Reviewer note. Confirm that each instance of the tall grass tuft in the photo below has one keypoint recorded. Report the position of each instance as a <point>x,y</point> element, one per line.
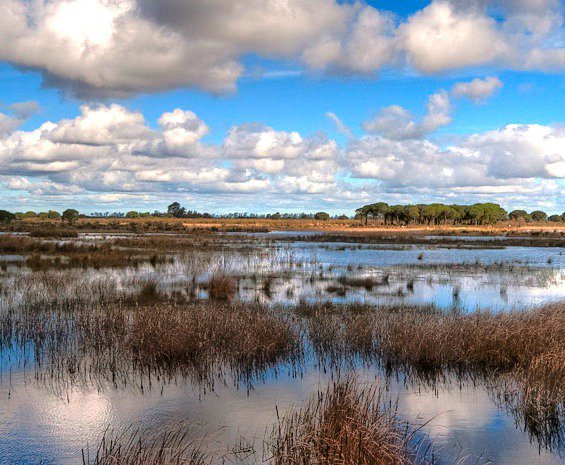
<point>136,447</point>
<point>345,425</point>
<point>221,287</point>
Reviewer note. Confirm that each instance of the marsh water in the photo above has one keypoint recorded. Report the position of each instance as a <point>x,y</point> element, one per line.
<point>462,420</point>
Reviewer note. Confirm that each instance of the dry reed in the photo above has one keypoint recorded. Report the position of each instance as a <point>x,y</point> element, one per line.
<point>137,447</point>
<point>345,425</point>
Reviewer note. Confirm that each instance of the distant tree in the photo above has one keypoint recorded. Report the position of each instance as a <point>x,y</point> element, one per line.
<point>19,215</point>
<point>53,215</point>
<point>392,214</point>
<point>342,217</point>
<point>176,210</point>
<point>412,213</point>
<point>43,215</point>
<point>30,214</point>
<point>459,213</point>
<point>379,210</point>
<point>563,216</point>
<point>555,218</point>
<point>70,215</point>
<point>434,213</point>
<point>145,215</point>
<point>6,216</point>
<point>539,215</point>
<point>486,213</point>
<point>375,210</point>
<point>363,213</point>
<point>321,216</point>
<point>519,214</point>
<point>132,214</point>
<point>276,216</point>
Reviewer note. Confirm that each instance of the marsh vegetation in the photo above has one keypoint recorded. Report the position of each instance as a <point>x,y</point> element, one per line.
<point>225,315</point>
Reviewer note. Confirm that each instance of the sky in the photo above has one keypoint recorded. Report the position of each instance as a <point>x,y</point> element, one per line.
<point>281,105</point>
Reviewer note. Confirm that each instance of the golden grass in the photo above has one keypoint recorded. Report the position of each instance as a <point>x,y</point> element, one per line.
<point>226,224</point>
<point>480,341</point>
<point>246,337</point>
<point>76,342</point>
<point>345,425</point>
<point>221,286</point>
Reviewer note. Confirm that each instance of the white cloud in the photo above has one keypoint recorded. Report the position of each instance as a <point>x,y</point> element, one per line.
<point>339,124</point>
<point>512,155</point>
<point>440,37</point>
<point>521,151</point>
<point>20,112</point>
<point>109,47</point>
<point>477,89</point>
<point>101,126</point>
<point>364,48</point>
<point>110,150</point>
<point>395,122</point>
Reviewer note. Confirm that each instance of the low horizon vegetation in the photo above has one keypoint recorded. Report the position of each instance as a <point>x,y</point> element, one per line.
<point>428,214</point>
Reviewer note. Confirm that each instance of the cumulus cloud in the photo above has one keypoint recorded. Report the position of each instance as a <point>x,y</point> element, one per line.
<point>100,125</point>
<point>440,37</point>
<point>111,149</point>
<point>477,89</point>
<point>395,122</point>
<point>521,151</point>
<point>514,153</point>
<point>366,45</point>
<point>111,152</point>
<point>116,48</point>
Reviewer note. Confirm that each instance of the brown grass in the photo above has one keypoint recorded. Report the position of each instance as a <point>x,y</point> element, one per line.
<point>481,341</point>
<point>246,337</point>
<point>136,447</point>
<point>520,354</point>
<point>345,425</point>
<point>221,286</point>
<point>216,224</point>
<point>76,342</point>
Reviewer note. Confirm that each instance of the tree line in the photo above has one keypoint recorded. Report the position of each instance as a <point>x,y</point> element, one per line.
<point>438,214</point>
<point>174,210</point>
<point>429,214</point>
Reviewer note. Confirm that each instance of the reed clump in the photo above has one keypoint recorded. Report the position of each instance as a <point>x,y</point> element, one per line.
<point>345,425</point>
<point>366,282</point>
<point>138,447</point>
<point>221,286</point>
<point>519,354</point>
<point>248,338</point>
<point>77,342</point>
<point>482,342</point>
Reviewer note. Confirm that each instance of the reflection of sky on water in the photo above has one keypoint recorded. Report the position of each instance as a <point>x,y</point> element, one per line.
<point>374,255</point>
<point>512,277</point>
<point>36,426</point>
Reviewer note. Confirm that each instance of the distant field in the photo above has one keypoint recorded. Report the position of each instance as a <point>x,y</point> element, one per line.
<point>265,225</point>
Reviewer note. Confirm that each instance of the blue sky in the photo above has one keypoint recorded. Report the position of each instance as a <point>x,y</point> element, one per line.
<point>208,107</point>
